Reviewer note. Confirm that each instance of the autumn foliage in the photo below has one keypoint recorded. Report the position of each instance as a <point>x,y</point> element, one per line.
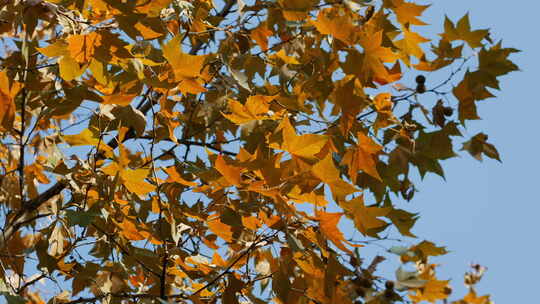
<point>170,151</point>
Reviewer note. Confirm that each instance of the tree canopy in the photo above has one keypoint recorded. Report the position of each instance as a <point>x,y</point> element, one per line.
<point>170,151</point>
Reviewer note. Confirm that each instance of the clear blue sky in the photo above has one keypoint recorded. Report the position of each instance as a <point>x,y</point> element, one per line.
<point>487,212</point>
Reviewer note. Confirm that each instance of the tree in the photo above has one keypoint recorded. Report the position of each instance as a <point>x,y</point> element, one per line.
<point>216,152</point>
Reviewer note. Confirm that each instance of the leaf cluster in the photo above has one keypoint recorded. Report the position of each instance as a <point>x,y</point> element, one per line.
<point>199,152</point>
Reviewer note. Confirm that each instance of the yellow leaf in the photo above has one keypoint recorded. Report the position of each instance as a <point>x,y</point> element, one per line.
<point>239,114</point>
<point>362,157</point>
<point>187,68</point>
<point>58,48</point>
<point>258,105</point>
<point>427,248</point>
<point>284,57</point>
<point>365,218</point>
<point>325,170</point>
<point>86,137</point>
<point>256,108</point>
<point>191,85</point>
<point>69,68</point>
<point>99,71</point>
<point>56,241</point>
<point>329,22</point>
<point>385,116</point>
<point>231,173</point>
<point>306,145</point>
<point>407,12</point>
<point>133,180</point>
<point>410,44</point>
<point>425,65</point>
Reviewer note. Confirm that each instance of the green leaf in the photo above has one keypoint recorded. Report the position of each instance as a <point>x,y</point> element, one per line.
<point>13,299</point>
<point>81,218</point>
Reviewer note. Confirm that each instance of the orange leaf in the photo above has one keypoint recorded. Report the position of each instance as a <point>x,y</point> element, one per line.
<point>251,222</point>
<point>174,176</point>
<point>260,35</point>
<point>36,170</point>
<point>316,197</point>
<point>375,55</point>
<point>362,157</point>
<point>269,221</point>
<point>326,171</point>
<point>308,265</point>
<point>231,173</point>
<point>433,291</point>
<point>82,47</point>
<point>472,298</point>
<point>119,99</point>
<point>130,231</point>
<point>256,108</point>
<point>224,231</point>
<point>218,260</point>
<point>146,32</point>
<point>410,44</point>
<point>8,91</point>
<point>328,223</point>
<point>467,106</point>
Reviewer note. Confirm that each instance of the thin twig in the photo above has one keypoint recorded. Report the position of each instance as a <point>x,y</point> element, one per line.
<point>228,268</point>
